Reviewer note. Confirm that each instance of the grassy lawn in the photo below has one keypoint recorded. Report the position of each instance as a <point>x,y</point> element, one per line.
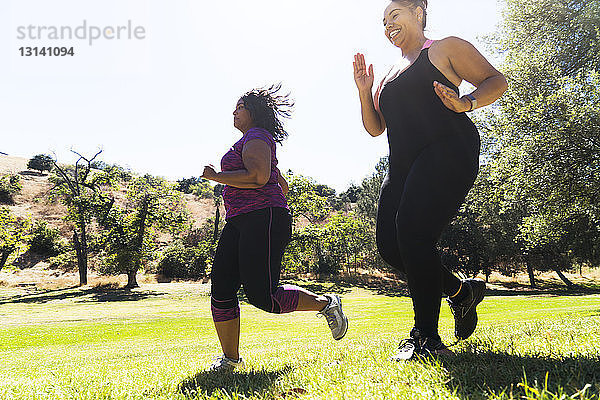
<point>155,342</point>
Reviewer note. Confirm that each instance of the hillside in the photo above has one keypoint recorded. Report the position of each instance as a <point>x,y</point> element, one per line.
<point>33,200</point>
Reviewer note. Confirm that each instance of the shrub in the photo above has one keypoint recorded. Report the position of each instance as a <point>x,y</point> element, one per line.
<point>66,261</point>
<point>118,172</point>
<point>185,185</point>
<point>14,233</point>
<point>9,185</point>
<point>179,261</point>
<point>203,189</point>
<point>197,186</point>
<point>45,240</point>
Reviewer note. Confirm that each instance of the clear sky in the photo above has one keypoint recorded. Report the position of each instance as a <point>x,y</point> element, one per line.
<point>163,103</point>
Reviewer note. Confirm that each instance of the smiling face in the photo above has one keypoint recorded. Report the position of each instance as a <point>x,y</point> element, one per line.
<point>242,119</point>
<point>403,24</point>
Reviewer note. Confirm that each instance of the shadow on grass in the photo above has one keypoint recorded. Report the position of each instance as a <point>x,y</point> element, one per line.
<point>98,294</point>
<point>520,291</point>
<point>338,285</point>
<point>383,287</point>
<point>31,173</point>
<point>246,383</point>
<point>397,288</point>
<point>319,288</point>
<point>475,376</point>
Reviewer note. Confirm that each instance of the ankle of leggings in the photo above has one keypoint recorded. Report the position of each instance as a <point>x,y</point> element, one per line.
<point>286,297</point>
<point>462,293</point>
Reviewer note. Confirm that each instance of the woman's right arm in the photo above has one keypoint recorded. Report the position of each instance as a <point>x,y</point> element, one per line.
<point>372,119</point>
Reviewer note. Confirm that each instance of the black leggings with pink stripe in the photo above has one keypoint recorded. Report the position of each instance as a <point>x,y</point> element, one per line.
<point>249,253</point>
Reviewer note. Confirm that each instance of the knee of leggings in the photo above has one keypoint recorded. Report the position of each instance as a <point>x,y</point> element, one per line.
<point>385,254</point>
<point>264,301</point>
<point>390,253</point>
<point>412,243</point>
<point>388,250</point>
<point>384,247</point>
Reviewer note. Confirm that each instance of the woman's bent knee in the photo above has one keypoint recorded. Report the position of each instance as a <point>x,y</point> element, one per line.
<point>262,301</point>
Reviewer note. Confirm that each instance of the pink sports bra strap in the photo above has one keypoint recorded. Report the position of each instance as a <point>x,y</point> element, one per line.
<point>427,44</point>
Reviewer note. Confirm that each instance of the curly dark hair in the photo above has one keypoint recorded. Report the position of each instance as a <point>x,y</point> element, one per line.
<point>267,107</point>
<point>415,4</point>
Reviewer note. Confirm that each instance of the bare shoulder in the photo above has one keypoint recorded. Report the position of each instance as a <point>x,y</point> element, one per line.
<point>452,50</point>
<point>453,44</point>
<point>443,54</point>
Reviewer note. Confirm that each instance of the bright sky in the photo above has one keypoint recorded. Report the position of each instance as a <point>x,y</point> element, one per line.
<point>163,104</point>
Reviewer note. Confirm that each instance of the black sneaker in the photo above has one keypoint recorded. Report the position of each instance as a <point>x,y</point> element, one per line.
<point>419,346</point>
<point>464,311</point>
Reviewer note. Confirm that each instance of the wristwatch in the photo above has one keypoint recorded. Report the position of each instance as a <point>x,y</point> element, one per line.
<point>473,101</point>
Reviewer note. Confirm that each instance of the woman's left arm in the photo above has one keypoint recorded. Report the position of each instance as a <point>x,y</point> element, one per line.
<point>285,188</point>
<point>469,65</point>
<point>256,156</point>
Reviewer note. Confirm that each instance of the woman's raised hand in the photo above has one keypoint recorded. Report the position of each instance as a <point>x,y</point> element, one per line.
<point>363,77</point>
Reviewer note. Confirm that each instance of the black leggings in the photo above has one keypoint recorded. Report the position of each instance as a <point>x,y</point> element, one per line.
<point>415,206</point>
<point>249,253</point>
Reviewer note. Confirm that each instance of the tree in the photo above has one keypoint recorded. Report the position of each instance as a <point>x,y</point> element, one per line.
<point>14,234</point>
<point>349,240</point>
<point>41,162</point>
<point>483,236</point>
<point>368,196</point>
<point>304,199</point>
<point>344,241</point>
<point>542,140</point>
<point>152,205</point>
<point>351,195</point>
<point>81,190</point>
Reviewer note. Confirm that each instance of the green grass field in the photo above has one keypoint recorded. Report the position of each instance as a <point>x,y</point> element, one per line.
<point>155,342</point>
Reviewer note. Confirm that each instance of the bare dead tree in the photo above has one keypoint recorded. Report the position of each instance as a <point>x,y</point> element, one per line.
<point>81,193</point>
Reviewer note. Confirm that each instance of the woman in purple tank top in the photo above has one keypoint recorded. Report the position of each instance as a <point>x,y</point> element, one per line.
<point>257,229</point>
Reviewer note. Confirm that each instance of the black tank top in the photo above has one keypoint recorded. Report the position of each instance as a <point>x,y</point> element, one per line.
<point>414,114</point>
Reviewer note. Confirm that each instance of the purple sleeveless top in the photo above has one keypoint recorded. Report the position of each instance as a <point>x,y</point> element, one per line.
<point>240,201</point>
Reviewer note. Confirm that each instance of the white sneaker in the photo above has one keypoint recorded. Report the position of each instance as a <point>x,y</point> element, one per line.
<point>222,363</point>
<point>336,319</point>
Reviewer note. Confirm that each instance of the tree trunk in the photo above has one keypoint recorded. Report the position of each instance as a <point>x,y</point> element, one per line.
<point>139,243</point>
<point>84,253</point>
<point>531,275</point>
<point>81,259</point>
<point>567,282</point>
<point>131,279</point>
<point>4,258</point>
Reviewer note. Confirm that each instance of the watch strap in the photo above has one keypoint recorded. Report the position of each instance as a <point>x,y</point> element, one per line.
<point>473,101</point>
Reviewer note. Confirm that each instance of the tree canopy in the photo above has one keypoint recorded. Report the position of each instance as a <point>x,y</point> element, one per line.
<point>41,162</point>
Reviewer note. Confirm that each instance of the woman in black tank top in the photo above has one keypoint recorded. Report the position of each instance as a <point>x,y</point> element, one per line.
<point>434,160</point>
